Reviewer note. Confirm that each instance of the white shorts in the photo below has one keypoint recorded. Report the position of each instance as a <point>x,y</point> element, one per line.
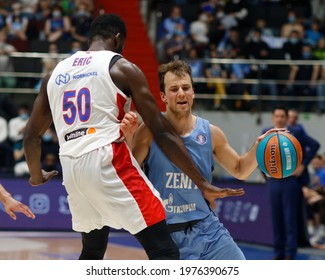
<point>106,187</point>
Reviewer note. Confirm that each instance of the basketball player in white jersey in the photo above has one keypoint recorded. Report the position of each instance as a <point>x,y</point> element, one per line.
<point>193,225</point>
<point>86,96</point>
<point>11,205</point>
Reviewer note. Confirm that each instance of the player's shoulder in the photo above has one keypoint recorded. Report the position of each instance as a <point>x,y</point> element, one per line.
<point>216,133</point>
<point>126,64</point>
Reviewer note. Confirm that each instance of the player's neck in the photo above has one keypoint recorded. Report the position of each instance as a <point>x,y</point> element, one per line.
<point>183,124</point>
<point>99,46</point>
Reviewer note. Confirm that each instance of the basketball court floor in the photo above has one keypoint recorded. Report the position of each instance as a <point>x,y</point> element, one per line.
<point>122,246</point>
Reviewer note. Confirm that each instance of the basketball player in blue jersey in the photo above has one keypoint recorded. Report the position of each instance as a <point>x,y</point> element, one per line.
<point>286,195</point>
<point>11,205</point>
<point>86,97</point>
<point>193,225</point>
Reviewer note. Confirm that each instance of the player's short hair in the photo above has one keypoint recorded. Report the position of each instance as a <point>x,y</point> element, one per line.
<point>107,25</point>
<point>177,67</point>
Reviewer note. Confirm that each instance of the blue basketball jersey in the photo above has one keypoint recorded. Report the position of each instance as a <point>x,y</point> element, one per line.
<point>182,199</point>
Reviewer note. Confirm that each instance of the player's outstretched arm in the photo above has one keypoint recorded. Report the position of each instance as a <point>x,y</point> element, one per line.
<point>238,166</point>
<point>39,121</point>
<point>12,205</point>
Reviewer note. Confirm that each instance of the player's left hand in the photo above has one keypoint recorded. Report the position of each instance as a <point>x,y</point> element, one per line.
<point>46,176</point>
<point>271,131</point>
<point>12,205</point>
<point>129,125</point>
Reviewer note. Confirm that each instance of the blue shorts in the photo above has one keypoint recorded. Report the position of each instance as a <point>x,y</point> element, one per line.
<point>207,240</point>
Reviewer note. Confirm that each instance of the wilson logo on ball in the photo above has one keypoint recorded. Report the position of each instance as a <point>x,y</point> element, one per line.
<point>279,154</point>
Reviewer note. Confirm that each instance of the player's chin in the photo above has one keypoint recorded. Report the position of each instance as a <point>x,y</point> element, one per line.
<point>183,106</point>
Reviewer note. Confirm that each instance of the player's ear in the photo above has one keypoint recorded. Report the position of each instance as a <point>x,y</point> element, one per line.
<point>118,42</point>
<point>163,96</point>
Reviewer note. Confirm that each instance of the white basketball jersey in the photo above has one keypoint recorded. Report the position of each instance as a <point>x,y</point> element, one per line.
<point>86,105</point>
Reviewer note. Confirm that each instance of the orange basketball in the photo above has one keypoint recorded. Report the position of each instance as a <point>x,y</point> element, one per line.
<point>279,154</point>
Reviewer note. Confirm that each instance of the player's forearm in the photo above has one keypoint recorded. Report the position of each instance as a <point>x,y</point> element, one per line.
<point>32,146</point>
<point>244,165</point>
<point>248,163</point>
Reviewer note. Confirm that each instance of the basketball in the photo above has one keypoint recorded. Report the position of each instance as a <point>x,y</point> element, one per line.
<point>279,154</point>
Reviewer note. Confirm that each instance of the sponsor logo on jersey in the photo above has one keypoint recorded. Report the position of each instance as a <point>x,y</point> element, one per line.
<point>79,133</point>
<point>62,79</point>
<point>169,207</point>
<point>179,181</point>
<point>84,75</point>
<point>201,139</point>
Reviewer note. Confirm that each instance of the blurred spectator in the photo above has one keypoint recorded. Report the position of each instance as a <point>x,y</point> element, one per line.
<point>29,7</point>
<point>43,10</point>
<point>80,22</point>
<point>58,26</point>
<point>5,148</point>
<point>7,106</point>
<point>168,27</point>
<point>6,64</point>
<point>313,34</point>
<point>210,6</point>
<point>17,23</point>
<point>319,53</point>
<point>217,72</point>
<point>68,6</point>
<point>231,46</point>
<point>266,31</point>
<point>48,63</point>
<point>307,75</point>
<point>199,32</point>
<point>198,70</point>
<point>238,72</point>
<point>20,164</point>
<point>49,142</point>
<point>292,48</point>
<point>196,64</point>
<point>258,49</point>
<point>3,15</point>
<point>286,194</point>
<point>237,9</point>
<point>317,9</point>
<point>291,25</point>
<point>43,13</point>
<point>315,197</point>
<point>17,124</point>
<point>75,47</point>
<point>88,3</point>
<point>293,118</point>
<point>178,46</point>
<point>216,31</point>
<point>227,21</point>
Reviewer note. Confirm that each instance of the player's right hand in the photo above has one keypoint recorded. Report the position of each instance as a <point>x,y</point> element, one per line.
<point>211,193</point>
<point>46,176</point>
